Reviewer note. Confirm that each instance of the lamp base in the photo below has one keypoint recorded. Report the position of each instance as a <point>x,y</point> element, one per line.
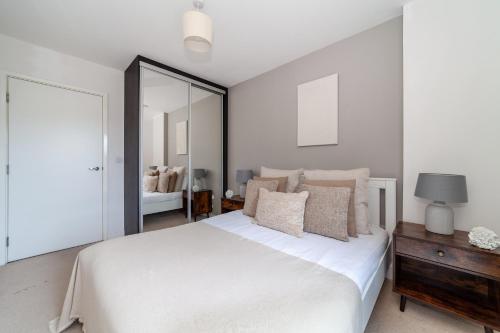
<point>439,218</point>
<point>243,190</point>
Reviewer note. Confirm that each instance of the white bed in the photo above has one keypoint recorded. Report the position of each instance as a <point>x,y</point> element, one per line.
<point>215,276</point>
<point>155,202</point>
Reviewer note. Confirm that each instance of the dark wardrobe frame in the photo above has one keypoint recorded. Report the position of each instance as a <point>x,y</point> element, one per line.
<point>132,180</point>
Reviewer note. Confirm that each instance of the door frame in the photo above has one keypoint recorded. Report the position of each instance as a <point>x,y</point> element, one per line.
<point>4,153</point>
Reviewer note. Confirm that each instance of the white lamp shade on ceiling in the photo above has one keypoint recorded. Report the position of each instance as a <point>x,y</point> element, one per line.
<point>197,28</point>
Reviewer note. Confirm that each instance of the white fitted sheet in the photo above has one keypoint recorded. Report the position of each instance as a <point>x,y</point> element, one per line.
<point>357,259</point>
<point>150,197</point>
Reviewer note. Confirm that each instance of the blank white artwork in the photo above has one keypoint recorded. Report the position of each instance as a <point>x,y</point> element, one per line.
<point>181,137</point>
<point>317,104</point>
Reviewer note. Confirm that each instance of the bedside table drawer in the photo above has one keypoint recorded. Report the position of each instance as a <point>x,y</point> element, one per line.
<point>468,260</point>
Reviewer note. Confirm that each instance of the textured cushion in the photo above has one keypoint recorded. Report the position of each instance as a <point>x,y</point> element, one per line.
<point>172,180</point>
<point>282,211</point>
<point>351,212</point>
<point>282,181</point>
<point>163,182</point>
<point>326,211</point>
<point>360,194</point>
<point>149,183</point>
<point>180,170</point>
<point>252,194</point>
<point>292,175</point>
<point>163,168</point>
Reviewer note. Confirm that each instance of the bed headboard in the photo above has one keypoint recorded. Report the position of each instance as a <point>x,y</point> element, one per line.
<point>382,190</point>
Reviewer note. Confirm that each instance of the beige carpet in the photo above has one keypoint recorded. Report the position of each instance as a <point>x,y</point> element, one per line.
<point>163,220</point>
<point>32,292</point>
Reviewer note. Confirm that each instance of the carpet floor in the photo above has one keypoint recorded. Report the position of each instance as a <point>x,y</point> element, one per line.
<point>32,291</point>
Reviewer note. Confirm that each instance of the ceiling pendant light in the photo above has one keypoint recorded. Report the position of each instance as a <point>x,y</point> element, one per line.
<point>197,28</point>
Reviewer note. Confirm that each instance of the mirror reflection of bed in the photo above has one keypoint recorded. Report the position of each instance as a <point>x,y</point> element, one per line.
<point>167,146</point>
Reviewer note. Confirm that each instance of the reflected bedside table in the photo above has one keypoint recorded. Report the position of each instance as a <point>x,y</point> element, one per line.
<point>228,205</point>
<point>448,273</point>
<point>201,203</point>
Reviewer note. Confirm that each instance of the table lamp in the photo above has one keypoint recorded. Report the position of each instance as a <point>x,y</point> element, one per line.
<point>441,189</point>
<point>199,175</point>
<point>242,177</point>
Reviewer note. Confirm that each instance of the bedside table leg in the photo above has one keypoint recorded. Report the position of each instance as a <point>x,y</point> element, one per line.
<point>402,304</point>
<point>488,330</point>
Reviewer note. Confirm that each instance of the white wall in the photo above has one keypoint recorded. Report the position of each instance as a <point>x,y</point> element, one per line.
<point>30,60</point>
<point>452,103</point>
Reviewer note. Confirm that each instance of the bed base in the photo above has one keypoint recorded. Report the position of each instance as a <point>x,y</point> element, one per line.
<point>164,206</point>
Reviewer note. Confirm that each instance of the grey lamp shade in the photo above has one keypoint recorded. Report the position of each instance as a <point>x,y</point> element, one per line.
<point>199,173</point>
<point>243,176</point>
<point>441,187</point>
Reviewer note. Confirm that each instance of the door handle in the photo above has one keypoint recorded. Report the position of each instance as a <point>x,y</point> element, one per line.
<point>94,169</point>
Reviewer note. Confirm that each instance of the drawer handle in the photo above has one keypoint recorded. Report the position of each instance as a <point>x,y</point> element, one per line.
<point>440,253</point>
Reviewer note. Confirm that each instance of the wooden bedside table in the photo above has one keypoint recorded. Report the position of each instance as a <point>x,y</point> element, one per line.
<point>228,205</point>
<point>201,202</point>
<point>447,273</point>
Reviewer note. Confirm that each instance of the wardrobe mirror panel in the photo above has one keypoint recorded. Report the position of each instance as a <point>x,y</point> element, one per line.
<point>165,150</point>
<point>206,152</point>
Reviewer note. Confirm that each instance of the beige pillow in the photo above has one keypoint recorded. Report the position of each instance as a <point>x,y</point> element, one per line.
<point>163,168</point>
<point>282,181</point>
<point>252,194</point>
<point>163,181</point>
<point>151,173</point>
<point>180,170</point>
<point>292,175</point>
<point>172,180</point>
<point>282,211</point>
<point>326,211</point>
<point>360,194</point>
<point>149,183</point>
<point>351,212</point>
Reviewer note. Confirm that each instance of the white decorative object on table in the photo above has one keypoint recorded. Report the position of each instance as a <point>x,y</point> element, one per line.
<point>484,238</point>
<point>196,188</point>
<point>229,194</point>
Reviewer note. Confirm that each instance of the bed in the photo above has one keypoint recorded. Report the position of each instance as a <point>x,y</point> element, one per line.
<point>156,202</point>
<point>225,274</point>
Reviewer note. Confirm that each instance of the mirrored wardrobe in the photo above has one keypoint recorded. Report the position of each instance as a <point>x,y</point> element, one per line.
<point>181,155</point>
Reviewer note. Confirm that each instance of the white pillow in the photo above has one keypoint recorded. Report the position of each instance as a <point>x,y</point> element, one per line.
<point>293,176</point>
<point>360,193</point>
<point>162,168</point>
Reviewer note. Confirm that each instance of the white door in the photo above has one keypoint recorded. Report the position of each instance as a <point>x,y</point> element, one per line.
<point>55,168</point>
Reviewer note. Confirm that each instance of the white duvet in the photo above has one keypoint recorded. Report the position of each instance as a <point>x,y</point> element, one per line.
<point>357,259</point>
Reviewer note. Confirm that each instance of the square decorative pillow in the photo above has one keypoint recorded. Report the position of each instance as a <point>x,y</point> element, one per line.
<point>172,180</point>
<point>149,183</point>
<point>326,211</point>
<point>180,170</point>
<point>282,211</point>
<point>151,173</point>
<point>163,181</point>
<point>252,194</point>
<point>351,212</point>
<point>360,194</point>
<point>282,181</point>
<point>292,175</point>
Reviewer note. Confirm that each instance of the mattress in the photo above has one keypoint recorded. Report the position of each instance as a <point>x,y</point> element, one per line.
<point>357,259</point>
<point>150,197</point>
